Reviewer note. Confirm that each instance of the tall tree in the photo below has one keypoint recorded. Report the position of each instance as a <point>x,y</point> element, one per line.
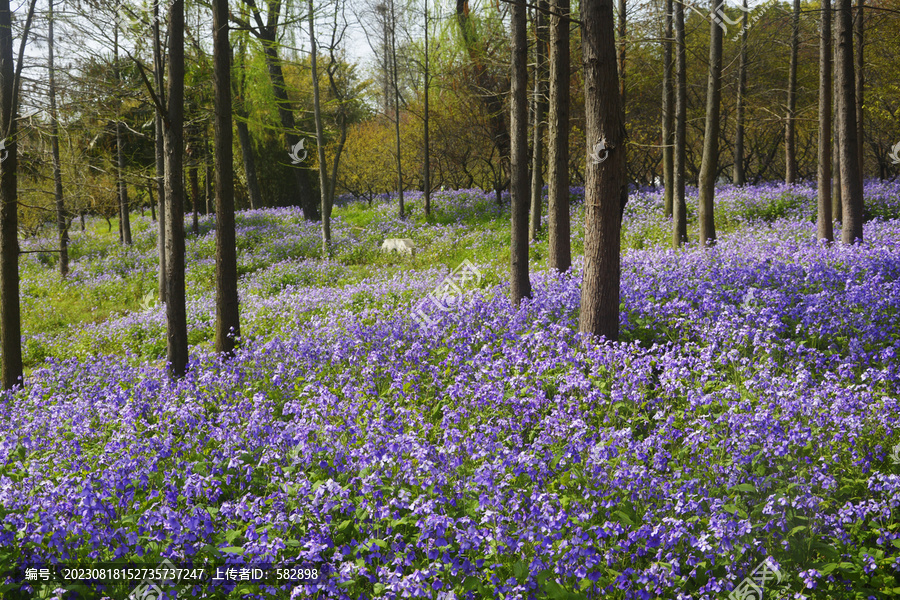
<point>159,149</point>
<point>739,176</point>
<point>710,162</point>
<point>267,33</point>
<point>228,326</point>
<point>541,39</point>
<point>61,226</point>
<point>668,113</point>
<point>124,209</point>
<point>396,89</point>
<point>851,177</point>
<point>623,32</point>
<point>824,227</point>
<point>859,36</point>
<point>240,122</point>
<point>426,124</point>
<point>558,194</point>
<point>176,313</point>
<point>10,317</point>
<point>518,126</point>
<point>606,185</point>
<point>836,204</point>
<point>320,137</point>
<point>679,207</point>
<point>790,135</point>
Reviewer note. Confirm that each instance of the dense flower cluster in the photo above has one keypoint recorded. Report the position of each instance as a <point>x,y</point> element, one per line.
<point>749,412</point>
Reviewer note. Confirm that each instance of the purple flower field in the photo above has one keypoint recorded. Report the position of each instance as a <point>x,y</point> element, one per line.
<point>749,413</point>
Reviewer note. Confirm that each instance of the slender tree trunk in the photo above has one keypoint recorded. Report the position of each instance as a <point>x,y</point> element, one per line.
<point>61,225</point>
<point>176,314</point>
<point>518,126</point>
<point>790,148</point>
<point>124,216</point>
<point>249,164</point>
<point>709,166</point>
<point>668,114</point>
<point>622,33</point>
<point>679,207</point>
<point>159,146</point>
<point>739,176</point>
<point>606,185</point>
<point>396,86</point>
<point>540,108</point>
<point>195,199</point>
<point>320,140</point>
<point>152,201</point>
<point>836,204</point>
<point>859,33</point>
<point>228,328</point>
<point>426,164</point>
<point>824,226</point>
<point>208,181</point>
<point>851,180</point>
<point>558,196</point>
<point>10,319</point>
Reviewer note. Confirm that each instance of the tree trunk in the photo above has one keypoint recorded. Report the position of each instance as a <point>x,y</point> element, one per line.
<point>859,33</point>
<point>851,180</point>
<point>195,199</point>
<point>836,205</point>
<point>320,140</point>
<point>228,327</point>
<point>396,84</point>
<point>679,207</point>
<point>10,320</point>
<point>176,314</point>
<point>540,108</point>
<point>709,166</point>
<point>208,181</point>
<point>249,163</point>
<point>824,224</point>
<point>152,201</point>
<point>739,176</point>
<point>623,31</point>
<point>426,163</point>
<point>124,217</point>
<point>159,145</point>
<point>668,114</point>
<point>790,148</point>
<point>606,186</point>
<point>558,193</point>
<point>61,225</point>
<point>520,285</point>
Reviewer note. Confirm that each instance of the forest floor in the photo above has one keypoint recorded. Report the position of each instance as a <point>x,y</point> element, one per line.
<point>743,429</point>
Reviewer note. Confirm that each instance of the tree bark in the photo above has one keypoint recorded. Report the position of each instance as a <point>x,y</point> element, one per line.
<point>61,226</point>
<point>320,140</point>
<point>396,85</point>
<point>824,228</point>
<point>606,186</point>
<point>249,163</point>
<point>668,114</point>
<point>790,136</point>
<point>623,31</point>
<point>520,284</point>
<point>540,108</point>
<point>176,314</point>
<point>836,204</point>
<point>679,207</point>
<point>709,166</point>
<point>228,327</point>
<point>426,163</point>
<point>558,194</point>
<point>739,177</point>
<point>851,180</point>
<point>10,318</point>
<point>124,216</point>
<point>195,199</point>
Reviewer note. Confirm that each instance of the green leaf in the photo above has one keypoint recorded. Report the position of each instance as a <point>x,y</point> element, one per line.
<point>743,487</point>
<point>233,550</point>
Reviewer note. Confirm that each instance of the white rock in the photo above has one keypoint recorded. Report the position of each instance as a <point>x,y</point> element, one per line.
<point>400,245</point>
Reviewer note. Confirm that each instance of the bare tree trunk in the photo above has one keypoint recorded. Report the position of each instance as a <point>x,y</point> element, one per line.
<point>152,201</point>
<point>320,140</point>
<point>209,197</point>
<point>520,284</point>
<point>668,115</point>
<point>426,164</point>
<point>739,176</point>
<point>679,207</point>
<point>859,33</point>
<point>790,148</point>
<point>558,193</point>
<point>228,327</point>
<point>158,69</point>
<point>396,85</point>
<point>176,314</point>
<point>124,217</point>
<point>61,225</point>
<point>836,204</point>
<point>195,199</point>
<point>824,226</point>
<point>606,186</point>
<point>540,109</point>
<point>709,166</point>
<point>623,31</point>
<point>249,163</point>
<point>851,180</point>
